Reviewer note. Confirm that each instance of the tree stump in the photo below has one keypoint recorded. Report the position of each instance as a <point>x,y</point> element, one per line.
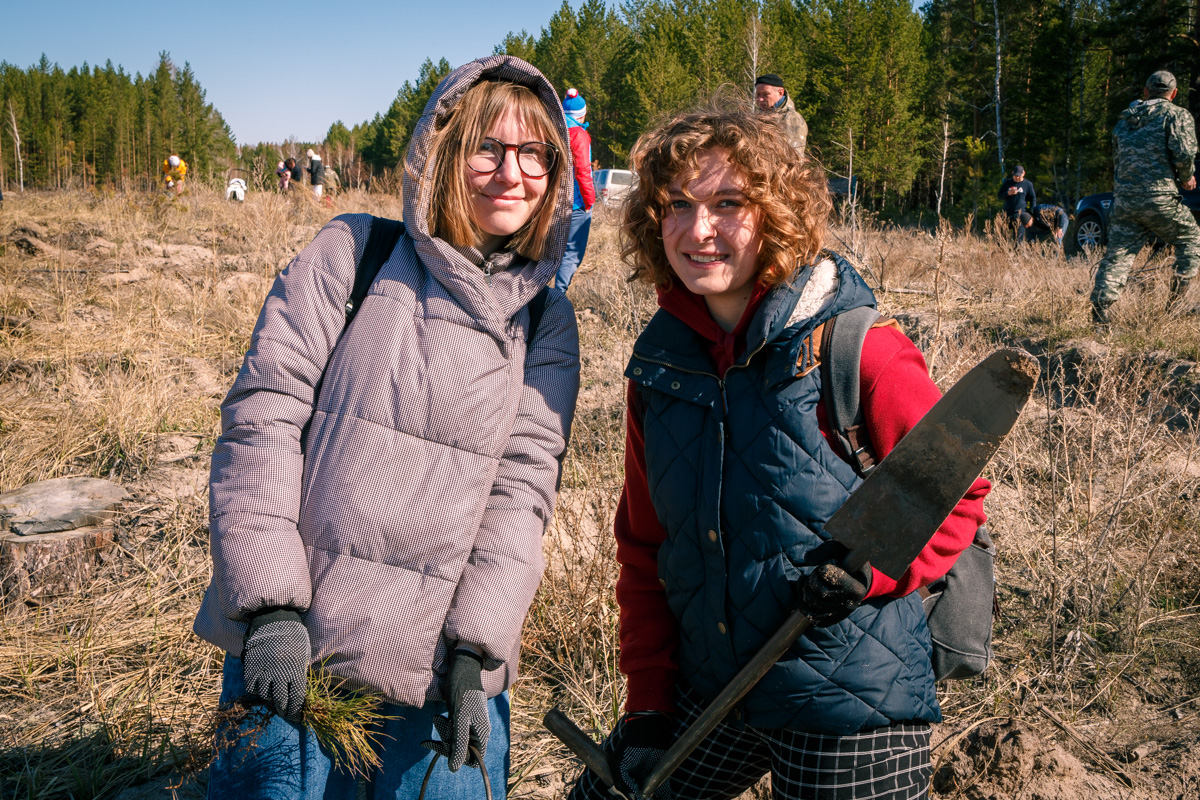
<point>51,537</point>
<point>49,564</point>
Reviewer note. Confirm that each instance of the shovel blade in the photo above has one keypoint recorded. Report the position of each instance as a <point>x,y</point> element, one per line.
<point>900,505</point>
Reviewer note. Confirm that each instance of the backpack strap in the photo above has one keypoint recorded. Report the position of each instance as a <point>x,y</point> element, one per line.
<point>537,309</point>
<point>840,356</point>
<point>381,241</point>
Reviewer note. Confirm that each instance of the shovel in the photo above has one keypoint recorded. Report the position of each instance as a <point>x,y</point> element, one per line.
<point>887,522</point>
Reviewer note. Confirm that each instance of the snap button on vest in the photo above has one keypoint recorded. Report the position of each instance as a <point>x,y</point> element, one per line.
<point>637,370</point>
<point>674,384</point>
<point>712,536</point>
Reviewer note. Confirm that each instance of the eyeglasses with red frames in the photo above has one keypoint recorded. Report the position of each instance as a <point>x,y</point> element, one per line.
<point>535,159</point>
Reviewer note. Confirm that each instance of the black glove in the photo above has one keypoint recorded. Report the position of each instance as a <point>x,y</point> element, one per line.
<point>467,720</point>
<point>275,660</point>
<point>829,594</point>
<point>637,744</point>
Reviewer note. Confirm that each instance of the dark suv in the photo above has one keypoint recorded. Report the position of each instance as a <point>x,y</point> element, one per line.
<point>1090,227</point>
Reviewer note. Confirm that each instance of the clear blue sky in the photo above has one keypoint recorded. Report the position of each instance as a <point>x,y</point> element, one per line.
<point>274,70</point>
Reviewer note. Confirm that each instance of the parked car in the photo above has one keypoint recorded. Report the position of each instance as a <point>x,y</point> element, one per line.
<point>839,188</point>
<point>612,185</point>
<point>1090,227</point>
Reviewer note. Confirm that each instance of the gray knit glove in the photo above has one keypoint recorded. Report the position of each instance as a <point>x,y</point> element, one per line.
<point>466,722</point>
<point>830,593</point>
<point>275,660</point>
<point>635,747</point>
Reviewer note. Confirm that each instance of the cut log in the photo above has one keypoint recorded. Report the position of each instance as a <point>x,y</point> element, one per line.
<point>48,564</point>
<point>60,504</point>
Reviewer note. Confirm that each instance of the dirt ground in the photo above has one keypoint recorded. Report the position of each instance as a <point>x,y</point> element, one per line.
<point>122,323</point>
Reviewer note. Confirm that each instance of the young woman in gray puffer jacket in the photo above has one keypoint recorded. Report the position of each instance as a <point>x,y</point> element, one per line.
<point>379,495</point>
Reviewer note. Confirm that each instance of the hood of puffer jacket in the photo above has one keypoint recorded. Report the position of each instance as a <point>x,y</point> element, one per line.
<point>1137,116</point>
<point>458,268</point>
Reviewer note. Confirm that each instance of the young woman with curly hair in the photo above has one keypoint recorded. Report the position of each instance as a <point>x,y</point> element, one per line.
<point>731,473</point>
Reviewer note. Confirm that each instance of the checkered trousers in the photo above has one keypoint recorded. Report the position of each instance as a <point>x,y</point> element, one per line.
<point>886,763</point>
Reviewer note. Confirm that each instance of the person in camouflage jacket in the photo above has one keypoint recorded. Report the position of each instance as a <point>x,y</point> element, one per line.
<point>772,98</point>
<point>1154,151</point>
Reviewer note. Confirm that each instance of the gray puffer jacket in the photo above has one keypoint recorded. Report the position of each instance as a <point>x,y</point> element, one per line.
<point>403,508</point>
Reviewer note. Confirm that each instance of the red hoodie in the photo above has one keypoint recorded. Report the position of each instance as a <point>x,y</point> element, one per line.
<point>896,391</point>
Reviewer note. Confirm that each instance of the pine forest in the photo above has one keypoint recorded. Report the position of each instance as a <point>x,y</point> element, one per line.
<point>926,107</point>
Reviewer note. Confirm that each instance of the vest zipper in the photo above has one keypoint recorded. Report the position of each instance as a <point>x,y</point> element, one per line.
<point>745,362</point>
<point>681,369</point>
<point>720,380</point>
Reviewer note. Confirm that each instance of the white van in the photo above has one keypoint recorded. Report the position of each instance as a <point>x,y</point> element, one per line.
<point>612,185</point>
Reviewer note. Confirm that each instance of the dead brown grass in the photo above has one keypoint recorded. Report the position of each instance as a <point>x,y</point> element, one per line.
<point>109,352</point>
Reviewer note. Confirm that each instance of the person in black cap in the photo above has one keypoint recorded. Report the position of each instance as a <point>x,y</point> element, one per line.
<point>772,98</point>
<point>1017,194</point>
<point>1154,157</point>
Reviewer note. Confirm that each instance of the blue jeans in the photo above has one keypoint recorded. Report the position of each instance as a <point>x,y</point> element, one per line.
<point>577,239</point>
<point>282,761</point>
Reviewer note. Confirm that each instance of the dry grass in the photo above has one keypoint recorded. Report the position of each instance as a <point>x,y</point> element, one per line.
<point>1095,511</point>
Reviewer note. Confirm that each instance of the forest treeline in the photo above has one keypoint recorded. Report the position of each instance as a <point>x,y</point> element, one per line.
<point>928,108</point>
<point>90,126</point>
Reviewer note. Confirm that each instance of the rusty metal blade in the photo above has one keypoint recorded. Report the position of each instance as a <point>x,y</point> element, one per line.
<point>895,512</point>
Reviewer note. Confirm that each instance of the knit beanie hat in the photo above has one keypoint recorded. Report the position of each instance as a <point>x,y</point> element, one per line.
<point>173,161</point>
<point>574,105</point>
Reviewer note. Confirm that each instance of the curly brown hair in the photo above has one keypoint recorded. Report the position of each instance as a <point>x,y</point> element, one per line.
<point>789,190</point>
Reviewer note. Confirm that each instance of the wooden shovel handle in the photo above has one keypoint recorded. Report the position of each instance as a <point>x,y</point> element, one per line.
<point>579,743</point>
<point>593,757</point>
<point>791,630</point>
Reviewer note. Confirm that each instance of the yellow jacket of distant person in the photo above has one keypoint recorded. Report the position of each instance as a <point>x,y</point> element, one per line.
<point>174,174</point>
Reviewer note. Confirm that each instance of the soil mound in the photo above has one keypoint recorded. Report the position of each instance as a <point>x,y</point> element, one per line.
<point>1010,760</point>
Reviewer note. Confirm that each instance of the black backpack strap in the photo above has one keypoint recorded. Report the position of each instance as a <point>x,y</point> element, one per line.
<point>841,358</point>
<point>380,243</point>
<point>537,309</point>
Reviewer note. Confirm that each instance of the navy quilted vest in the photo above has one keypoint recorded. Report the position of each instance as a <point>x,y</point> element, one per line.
<point>743,481</point>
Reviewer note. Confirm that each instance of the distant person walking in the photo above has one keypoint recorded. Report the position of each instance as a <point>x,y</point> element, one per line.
<point>1017,194</point>
<point>1154,152</point>
<point>1042,222</point>
<point>772,98</point>
<point>575,110</point>
<point>174,170</point>
<point>316,174</point>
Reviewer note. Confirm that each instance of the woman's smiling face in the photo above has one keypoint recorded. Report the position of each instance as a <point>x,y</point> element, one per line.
<point>504,200</point>
<point>712,236</point>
